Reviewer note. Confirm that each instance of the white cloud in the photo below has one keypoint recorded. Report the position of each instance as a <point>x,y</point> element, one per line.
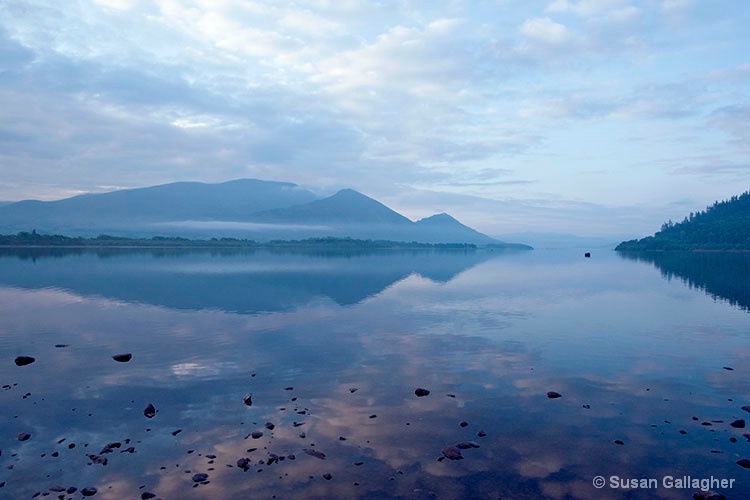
<point>545,30</point>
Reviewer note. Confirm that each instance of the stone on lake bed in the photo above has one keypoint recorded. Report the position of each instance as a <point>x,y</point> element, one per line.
<point>465,445</point>
<point>327,476</point>
<point>199,478</point>
<point>248,399</point>
<point>123,358</point>
<point>744,463</point>
<point>315,453</point>
<point>256,435</point>
<point>149,411</point>
<point>746,408</point>
<point>554,395</point>
<point>452,453</point>
<point>24,436</point>
<point>421,392</point>
<point>24,360</point>
<point>738,424</point>
<point>88,492</point>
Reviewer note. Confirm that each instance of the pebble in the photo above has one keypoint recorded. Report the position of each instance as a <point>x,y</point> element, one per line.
<point>465,445</point>
<point>149,411</point>
<point>327,476</point>
<point>315,453</point>
<point>452,453</point>
<point>199,478</point>
<point>123,358</point>
<point>24,436</point>
<point>256,435</point>
<point>421,392</point>
<point>146,495</point>
<point>88,492</point>
<point>738,424</point>
<point>554,395</point>
<point>24,360</point>
<point>248,399</point>
<point>464,424</point>
<point>744,463</point>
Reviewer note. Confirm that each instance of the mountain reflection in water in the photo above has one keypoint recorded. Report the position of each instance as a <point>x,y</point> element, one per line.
<point>242,281</point>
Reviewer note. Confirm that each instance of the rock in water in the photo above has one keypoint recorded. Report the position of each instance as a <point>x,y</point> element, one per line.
<point>421,392</point>
<point>24,436</point>
<point>123,358</point>
<point>199,478</point>
<point>465,445</point>
<point>24,360</point>
<point>738,424</point>
<point>88,492</point>
<point>315,453</point>
<point>554,395</point>
<point>248,399</point>
<point>150,411</point>
<point>452,453</point>
<point>744,463</point>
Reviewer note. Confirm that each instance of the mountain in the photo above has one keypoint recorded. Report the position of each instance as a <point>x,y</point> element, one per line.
<point>724,225</point>
<point>246,208</point>
<point>345,207</point>
<point>179,201</point>
<point>437,226</point>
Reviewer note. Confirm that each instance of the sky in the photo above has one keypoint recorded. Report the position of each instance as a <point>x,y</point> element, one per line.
<point>591,117</point>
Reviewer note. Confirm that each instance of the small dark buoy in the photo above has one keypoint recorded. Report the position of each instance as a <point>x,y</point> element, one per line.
<point>587,255</point>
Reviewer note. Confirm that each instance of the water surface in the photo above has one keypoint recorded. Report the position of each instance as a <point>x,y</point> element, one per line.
<point>332,347</point>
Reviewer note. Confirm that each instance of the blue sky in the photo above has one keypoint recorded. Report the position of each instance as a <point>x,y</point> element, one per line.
<point>594,117</point>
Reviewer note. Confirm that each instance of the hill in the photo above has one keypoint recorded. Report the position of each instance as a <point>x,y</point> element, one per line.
<point>179,201</point>
<point>724,225</point>
<point>347,206</point>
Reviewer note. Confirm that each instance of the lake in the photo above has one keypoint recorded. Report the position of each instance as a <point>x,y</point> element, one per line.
<point>650,355</point>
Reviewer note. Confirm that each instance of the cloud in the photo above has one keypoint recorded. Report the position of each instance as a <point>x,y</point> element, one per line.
<point>545,31</point>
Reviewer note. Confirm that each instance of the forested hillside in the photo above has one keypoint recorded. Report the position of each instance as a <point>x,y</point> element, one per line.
<point>725,225</point>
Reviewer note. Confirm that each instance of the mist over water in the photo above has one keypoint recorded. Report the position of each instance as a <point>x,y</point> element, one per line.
<point>332,346</point>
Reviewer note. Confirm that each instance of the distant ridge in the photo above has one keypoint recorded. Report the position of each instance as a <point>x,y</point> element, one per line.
<point>346,206</point>
<point>232,201</point>
<point>246,208</point>
<point>724,225</point>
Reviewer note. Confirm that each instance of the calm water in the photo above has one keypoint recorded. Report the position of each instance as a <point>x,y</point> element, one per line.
<point>637,348</point>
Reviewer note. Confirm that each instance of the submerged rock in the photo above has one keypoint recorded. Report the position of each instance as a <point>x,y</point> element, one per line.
<point>554,395</point>
<point>465,445</point>
<point>452,453</point>
<point>149,411</point>
<point>199,478</point>
<point>421,392</point>
<point>256,435</point>
<point>248,399</point>
<point>327,476</point>
<point>315,453</point>
<point>708,495</point>
<point>744,463</point>
<point>24,436</point>
<point>746,408</point>
<point>88,492</point>
<point>24,360</point>
<point>123,358</point>
<point>738,424</point>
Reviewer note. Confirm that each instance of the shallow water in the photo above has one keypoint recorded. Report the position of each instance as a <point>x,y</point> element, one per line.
<point>639,350</point>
